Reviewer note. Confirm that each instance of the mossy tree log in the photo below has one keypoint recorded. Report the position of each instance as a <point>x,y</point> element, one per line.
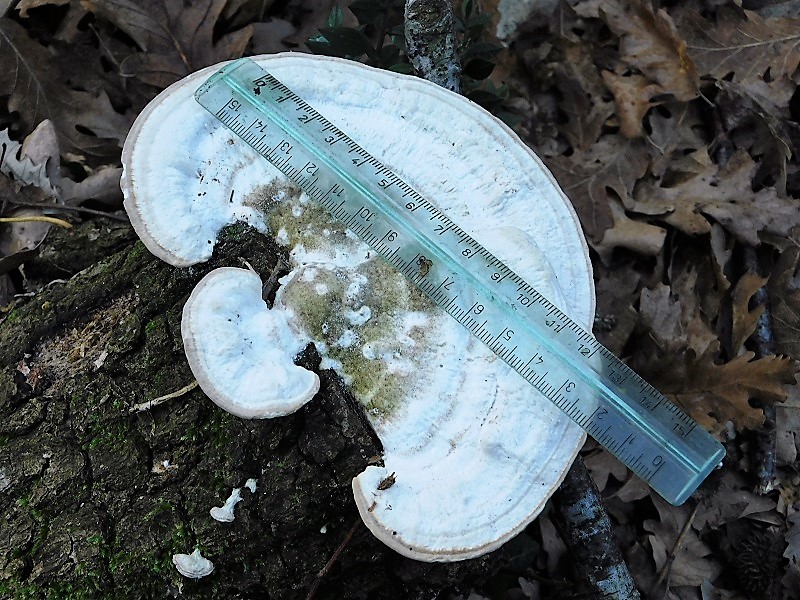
<point>96,498</point>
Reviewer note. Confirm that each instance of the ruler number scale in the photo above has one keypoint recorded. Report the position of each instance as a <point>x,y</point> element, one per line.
<point>626,415</point>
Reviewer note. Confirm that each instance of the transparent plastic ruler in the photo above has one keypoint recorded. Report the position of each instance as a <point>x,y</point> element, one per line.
<point>642,428</point>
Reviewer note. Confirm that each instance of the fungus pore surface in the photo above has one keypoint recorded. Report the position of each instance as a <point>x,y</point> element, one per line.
<point>475,451</point>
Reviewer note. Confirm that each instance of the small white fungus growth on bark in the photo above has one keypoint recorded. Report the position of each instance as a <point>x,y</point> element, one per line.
<point>224,513</point>
<point>193,565</point>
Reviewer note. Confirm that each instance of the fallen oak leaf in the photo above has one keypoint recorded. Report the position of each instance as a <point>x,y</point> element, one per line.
<point>602,465</point>
<point>632,95</point>
<point>692,560</point>
<point>660,313</point>
<point>733,499</point>
<point>714,394</point>
<point>650,42</point>
<point>176,38</point>
<point>680,317</point>
<point>744,319</point>
<point>25,5</point>
<point>721,193</point>
<point>693,283</point>
<point>36,162</point>
<point>752,121</point>
<point>784,293</point>
<point>583,100</point>
<point>741,43</point>
<point>17,163</point>
<point>641,237</point>
<point>612,164</point>
<point>675,131</point>
<point>36,91</point>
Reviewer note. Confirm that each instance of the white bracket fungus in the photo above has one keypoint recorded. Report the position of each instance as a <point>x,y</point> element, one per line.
<point>240,351</point>
<point>193,565</point>
<point>224,513</point>
<point>472,451</point>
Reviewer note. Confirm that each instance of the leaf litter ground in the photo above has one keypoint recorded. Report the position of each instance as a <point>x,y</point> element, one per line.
<point>673,127</point>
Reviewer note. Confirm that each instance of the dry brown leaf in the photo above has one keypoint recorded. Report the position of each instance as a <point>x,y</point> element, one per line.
<point>723,194</point>
<point>650,42</point>
<point>37,90</point>
<point>694,561</point>
<point>661,314</point>
<point>741,43</point>
<point>641,237</point>
<point>19,241</point>
<point>676,129</point>
<point>632,94</point>
<point>753,122</point>
<point>744,319</point>
<point>733,499</point>
<point>721,253</point>
<point>582,101</point>
<point>714,394</point>
<point>602,465</point>
<point>552,543</point>
<point>25,5</point>
<point>700,300</point>
<point>616,290</point>
<point>673,317</point>
<point>784,293</point>
<point>176,38</point>
<point>27,168</point>
<point>613,165</point>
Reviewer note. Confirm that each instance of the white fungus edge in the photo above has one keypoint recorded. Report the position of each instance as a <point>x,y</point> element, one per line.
<point>201,359</point>
<point>194,565</point>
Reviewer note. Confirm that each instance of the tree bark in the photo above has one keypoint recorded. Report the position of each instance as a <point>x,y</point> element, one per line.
<point>586,529</point>
<point>431,42</point>
<point>96,499</point>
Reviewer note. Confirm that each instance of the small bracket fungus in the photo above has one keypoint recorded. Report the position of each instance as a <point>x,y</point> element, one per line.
<point>240,351</point>
<point>472,452</point>
<point>224,513</point>
<point>193,565</point>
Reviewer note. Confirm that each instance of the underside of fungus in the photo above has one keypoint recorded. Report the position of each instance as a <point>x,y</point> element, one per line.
<point>472,452</point>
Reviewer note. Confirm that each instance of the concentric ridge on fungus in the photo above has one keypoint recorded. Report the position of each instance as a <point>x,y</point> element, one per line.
<point>475,451</point>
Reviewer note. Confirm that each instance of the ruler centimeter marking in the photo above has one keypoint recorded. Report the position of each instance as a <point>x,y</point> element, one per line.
<point>558,357</point>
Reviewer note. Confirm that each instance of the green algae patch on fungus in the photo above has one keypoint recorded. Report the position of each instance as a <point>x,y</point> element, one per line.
<point>294,219</point>
<point>366,319</point>
<point>368,323</point>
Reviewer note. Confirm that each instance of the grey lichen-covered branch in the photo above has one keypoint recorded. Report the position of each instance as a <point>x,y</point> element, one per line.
<point>763,339</point>
<point>431,42</point>
<point>587,532</point>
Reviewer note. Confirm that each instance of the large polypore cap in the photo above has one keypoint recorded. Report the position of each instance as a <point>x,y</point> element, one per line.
<point>474,450</point>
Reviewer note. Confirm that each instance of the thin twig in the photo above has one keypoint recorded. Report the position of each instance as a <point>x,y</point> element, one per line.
<point>334,557</point>
<point>764,340</point>
<point>80,209</point>
<point>38,219</point>
<point>675,549</point>
<point>161,399</point>
<point>270,286</point>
